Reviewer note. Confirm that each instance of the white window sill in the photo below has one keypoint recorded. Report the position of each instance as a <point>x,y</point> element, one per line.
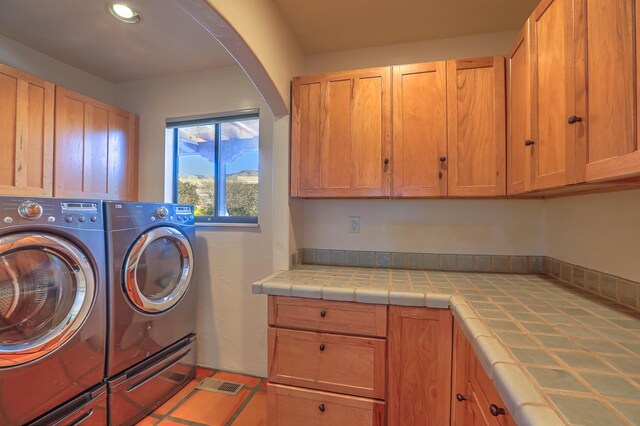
<point>226,225</point>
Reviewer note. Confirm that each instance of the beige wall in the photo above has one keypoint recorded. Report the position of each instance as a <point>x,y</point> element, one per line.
<point>408,53</point>
<point>26,59</point>
<point>599,231</point>
<point>259,24</point>
<point>428,226</point>
<point>231,322</point>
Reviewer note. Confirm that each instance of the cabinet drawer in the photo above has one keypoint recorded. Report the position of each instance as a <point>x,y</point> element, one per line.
<point>483,396</point>
<point>289,406</point>
<point>321,315</point>
<point>344,364</point>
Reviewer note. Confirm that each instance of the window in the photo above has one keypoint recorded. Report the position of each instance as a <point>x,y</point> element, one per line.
<point>216,167</point>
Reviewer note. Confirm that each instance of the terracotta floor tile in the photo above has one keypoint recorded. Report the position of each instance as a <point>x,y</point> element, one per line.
<point>255,412</point>
<point>147,421</point>
<point>203,372</point>
<point>169,423</point>
<point>175,399</point>
<point>263,386</point>
<point>210,408</point>
<point>239,378</point>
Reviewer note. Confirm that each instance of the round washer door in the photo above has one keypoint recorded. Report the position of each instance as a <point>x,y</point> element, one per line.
<point>47,288</point>
<point>158,269</point>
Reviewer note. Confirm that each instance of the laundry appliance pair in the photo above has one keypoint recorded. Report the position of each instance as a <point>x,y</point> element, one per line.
<point>96,309</point>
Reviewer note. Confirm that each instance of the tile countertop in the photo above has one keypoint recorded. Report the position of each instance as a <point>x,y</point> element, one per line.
<point>556,354</point>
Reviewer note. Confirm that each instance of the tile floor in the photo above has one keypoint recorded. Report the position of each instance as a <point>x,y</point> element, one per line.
<point>194,407</point>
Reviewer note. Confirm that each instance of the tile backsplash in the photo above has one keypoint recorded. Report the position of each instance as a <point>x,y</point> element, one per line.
<point>421,261</point>
<point>611,287</point>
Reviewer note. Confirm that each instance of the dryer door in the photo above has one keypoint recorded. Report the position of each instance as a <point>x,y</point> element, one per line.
<point>158,269</point>
<point>47,287</point>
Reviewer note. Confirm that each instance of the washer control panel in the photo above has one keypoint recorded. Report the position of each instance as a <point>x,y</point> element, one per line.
<point>52,212</point>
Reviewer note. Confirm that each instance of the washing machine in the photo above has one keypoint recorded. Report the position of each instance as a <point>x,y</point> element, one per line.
<point>52,304</point>
<point>151,316</point>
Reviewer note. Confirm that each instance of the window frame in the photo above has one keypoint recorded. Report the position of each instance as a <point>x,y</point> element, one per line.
<point>217,120</point>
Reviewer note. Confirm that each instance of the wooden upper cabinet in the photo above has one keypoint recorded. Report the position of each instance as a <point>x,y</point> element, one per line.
<point>552,95</point>
<point>96,149</point>
<point>419,130</point>
<point>606,43</point>
<point>419,370</point>
<point>518,120</point>
<point>26,134</point>
<point>341,134</point>
<point>476,127</point>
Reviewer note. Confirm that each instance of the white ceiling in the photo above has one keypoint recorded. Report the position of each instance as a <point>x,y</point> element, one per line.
<point>335,25</point>
<point>82,33</point>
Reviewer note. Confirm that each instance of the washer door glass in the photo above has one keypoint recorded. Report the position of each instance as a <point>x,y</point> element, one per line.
<point>158,269</point>
<point>46,292</point>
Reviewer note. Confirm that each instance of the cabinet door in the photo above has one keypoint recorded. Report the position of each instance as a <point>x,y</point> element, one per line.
<point>460,392</point>
<point>607,89</point>
<point>419,130</point>
<point>419,366</point>
<point>26,134</point>
<point>341,134</point>
<point>552,95</point>
<point>123,156</point>
<point>518,104</point>
<point>477,127</point>
<point>96,149</point>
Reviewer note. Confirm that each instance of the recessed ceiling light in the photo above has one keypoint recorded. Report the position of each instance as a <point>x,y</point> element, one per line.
<point>124,13</point>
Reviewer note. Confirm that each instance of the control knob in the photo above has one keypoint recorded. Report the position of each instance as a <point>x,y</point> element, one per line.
<point>162,212</point>
<point>30,210</point>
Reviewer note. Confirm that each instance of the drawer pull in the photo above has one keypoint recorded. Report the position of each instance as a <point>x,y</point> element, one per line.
<point>321,347</point>
<point>323,313</point>
<point>460,397</point>
<point>496,411</point>
<point>321,408</point>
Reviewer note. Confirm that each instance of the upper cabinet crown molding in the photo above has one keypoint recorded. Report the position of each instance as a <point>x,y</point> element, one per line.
<point>26,134</point>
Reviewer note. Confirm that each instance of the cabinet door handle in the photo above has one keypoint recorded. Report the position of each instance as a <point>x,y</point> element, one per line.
<point>528,142</point>
<point>460,397</point>
<point>321,347</point>
<point>496,411</point>
<point>443,159</point>
<point>323,313</point>
<point>574,119</point>
<point>321,408</point>
<point>386,161</point>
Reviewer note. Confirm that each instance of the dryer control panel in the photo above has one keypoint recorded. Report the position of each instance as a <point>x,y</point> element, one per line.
<point>124,215</point>
<point>80,214</point>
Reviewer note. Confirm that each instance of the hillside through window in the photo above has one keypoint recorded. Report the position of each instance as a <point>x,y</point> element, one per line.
<point>216,167</point>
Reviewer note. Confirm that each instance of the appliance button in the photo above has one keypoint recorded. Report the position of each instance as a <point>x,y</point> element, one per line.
<point>153,218</point>
<point>179,217</point>
<point>68,219</point>
<point>94,218</point>
<point>51,219</point>
<point>190,217</point>
<point>8,220</point>
<point>82,219</point>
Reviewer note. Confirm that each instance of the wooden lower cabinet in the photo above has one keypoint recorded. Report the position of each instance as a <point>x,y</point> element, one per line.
<point>289,406</point>
<point>331,362</point>
<point>422,372</point>
<point>474,399</point>
<point>419,366</point>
